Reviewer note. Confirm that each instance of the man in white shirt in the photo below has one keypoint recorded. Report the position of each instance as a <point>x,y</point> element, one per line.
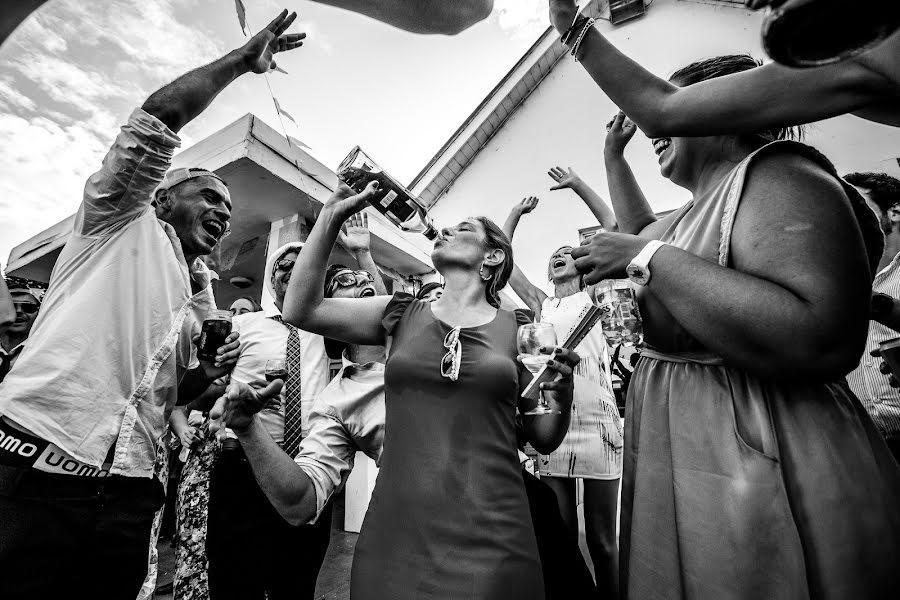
<point>868,382</point>
<point>253,552</point>
<point>111,351</point>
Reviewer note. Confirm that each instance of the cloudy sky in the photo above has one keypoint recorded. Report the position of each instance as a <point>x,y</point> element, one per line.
<point>71,74</point>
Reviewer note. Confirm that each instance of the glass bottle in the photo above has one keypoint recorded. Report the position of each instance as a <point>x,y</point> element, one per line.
<point>621,318</point>
<point>391,199</point>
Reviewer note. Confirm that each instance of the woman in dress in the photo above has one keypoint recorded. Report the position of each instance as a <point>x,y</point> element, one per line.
<point>592,448</point>
<point>750,469</point>
<point>449,516</point>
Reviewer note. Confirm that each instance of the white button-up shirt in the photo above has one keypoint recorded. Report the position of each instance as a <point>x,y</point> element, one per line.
<point>348,416</point>
<point>263,339</point>
<point>113,337</point>
<point>869,384</point>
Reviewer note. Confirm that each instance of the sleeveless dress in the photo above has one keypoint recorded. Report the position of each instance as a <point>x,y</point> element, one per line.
<point>592,448</point>
<point>735,486</point>
<point>449,518</point>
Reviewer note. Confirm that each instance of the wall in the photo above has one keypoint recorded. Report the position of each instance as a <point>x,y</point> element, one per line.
<point>563,123</point>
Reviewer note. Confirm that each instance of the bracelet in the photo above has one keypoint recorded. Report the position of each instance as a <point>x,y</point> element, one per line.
<point>577,23</point>
<point>584,31</point>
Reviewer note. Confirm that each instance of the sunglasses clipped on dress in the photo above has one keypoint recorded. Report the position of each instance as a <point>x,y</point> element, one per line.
<point>452,360</point>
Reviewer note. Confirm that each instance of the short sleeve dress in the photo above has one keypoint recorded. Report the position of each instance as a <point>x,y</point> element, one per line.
<point>736,486</point>
<point>448,518</point>
<point>592,448</point>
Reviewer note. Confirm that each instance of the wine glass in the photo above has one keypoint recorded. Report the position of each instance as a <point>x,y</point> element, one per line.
<point>530,339</point>
<point>276,369</point>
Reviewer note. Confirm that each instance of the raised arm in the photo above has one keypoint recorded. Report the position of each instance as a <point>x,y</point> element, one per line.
<point>352,320</point>
<point>754,100</point>
<point>421,16</point>
<point>531,295</point>
<point>179,102</point>
<point>142,152</point>
<point>628,200</point>
<point>569,179</point>
<point>356,240</point>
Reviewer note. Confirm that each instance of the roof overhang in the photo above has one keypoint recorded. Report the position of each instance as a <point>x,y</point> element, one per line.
<point>269,179</point>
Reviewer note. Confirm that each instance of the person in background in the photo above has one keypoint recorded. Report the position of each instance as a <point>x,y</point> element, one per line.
<point>111,351</point>
<point>253,552</point>
<point>592,448</point>
<point>26,302</point>
<point>7,308</point>
<point>430,291</point>
<point>244,305</point>
<point>750,469</point>
<point>773,96</point>
<point>868,382</point>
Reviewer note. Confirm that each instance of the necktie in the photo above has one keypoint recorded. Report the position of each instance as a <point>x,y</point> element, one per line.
<point>292,417</point>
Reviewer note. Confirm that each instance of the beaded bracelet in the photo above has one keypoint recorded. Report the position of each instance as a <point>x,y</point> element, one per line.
<point>577,23</point>
<point>584,31</point>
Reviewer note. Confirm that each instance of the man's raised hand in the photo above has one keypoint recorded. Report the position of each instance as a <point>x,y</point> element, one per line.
<point>259,52</point>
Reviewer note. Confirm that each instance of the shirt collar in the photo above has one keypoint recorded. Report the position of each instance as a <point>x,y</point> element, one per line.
<point>272,311</point>
<point>352,366</point>
<point>895,262</point>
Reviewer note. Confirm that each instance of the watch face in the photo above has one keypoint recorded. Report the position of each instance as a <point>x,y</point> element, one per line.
<point>636,274</point>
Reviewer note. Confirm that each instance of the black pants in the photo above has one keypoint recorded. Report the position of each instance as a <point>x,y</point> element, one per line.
<point>252,551</point>
<point>566,575</point>
<point>63,536</point>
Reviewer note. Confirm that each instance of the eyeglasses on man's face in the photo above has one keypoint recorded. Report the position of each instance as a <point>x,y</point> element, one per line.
<point>349,278</point>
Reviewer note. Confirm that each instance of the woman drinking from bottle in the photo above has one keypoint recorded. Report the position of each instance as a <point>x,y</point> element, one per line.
<point>750,469</point>
<point>449,516</point>
<point>592,448</point>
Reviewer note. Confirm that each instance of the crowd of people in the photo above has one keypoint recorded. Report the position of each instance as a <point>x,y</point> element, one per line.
<point>758,456</point>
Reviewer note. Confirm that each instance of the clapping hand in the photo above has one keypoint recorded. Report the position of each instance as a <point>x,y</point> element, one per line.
<point>564,178</point>
<point>259,52</point>
<point>619,132</point>
<point>354,236</point>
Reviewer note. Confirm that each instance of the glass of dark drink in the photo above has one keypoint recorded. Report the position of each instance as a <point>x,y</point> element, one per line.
<point>276,369</point>
<point>216,327</point>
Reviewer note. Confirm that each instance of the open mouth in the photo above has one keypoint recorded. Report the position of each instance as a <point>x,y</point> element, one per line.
<point>213,228</point>
<point>367,292</point>
<point>558,263</point>
<point>660,145</point>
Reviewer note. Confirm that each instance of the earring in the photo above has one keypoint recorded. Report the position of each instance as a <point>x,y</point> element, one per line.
<point>481,274</point>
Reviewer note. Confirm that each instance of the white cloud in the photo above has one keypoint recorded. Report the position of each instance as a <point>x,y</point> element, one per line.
<point>13,98</point>
<point>522,18</point>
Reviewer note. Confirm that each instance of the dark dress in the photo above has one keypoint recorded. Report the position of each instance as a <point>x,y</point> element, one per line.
<point>449,517</point>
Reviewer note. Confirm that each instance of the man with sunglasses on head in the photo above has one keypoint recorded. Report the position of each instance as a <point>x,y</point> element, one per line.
<point>112,350</point>
<point>252,550</point>
<point>26,301</point>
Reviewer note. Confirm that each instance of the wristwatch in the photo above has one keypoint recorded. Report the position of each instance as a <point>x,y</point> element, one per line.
<point>638,269</point>
<point>882,305</point>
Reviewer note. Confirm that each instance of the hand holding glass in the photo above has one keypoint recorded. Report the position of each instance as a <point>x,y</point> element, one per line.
<point>530,339</point>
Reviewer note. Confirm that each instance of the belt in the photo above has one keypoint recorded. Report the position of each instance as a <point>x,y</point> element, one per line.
<point>23,450</point>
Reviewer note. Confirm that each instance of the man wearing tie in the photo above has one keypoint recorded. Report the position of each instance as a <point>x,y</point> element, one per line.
<point>252,550</point>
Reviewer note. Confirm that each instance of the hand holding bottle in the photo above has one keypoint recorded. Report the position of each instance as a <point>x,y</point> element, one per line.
<point>344,202</point>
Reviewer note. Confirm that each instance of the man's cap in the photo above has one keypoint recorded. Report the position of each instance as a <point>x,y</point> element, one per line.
<point>26,286</point>
<point>274,258</point>
<point>175,176</point>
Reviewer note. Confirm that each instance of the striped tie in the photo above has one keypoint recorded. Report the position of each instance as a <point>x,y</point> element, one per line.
<point>292,417</point>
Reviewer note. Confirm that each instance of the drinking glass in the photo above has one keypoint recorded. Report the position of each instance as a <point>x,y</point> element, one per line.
<point>276,369</point>
<point>530,338</point>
